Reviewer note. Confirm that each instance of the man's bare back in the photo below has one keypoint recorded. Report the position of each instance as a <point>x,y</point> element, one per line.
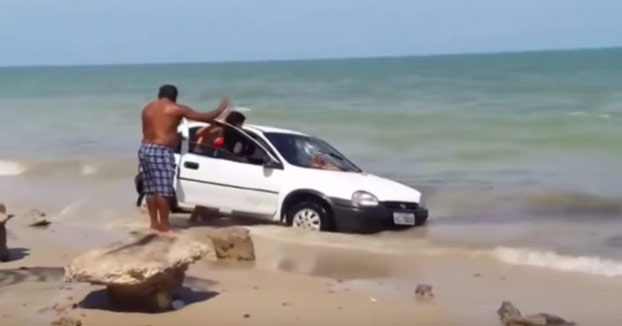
<point>161,118</point>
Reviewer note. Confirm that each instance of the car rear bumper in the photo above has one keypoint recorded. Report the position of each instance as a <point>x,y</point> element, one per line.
<point>354,219</point>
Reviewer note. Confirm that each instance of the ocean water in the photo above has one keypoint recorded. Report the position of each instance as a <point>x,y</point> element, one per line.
<point>517,154</point>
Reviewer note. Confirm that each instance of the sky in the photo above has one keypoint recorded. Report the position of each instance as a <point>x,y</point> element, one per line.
<point>78,32</point>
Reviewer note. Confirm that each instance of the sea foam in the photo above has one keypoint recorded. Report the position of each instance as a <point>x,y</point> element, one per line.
<point>88,169</point>
<point>548,259</point>
<point>8,168</point>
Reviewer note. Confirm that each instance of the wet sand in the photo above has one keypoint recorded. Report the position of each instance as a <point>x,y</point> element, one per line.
<point>306,283</point>
<point>33,291</point>
<point>468,287</point>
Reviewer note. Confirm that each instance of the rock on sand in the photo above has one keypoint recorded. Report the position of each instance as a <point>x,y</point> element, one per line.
<point>142,273</point>
<point>508,312</point>
<point>34,218</point>
<point>230,243</point>
<point>4,250</point>
<point>424,292</point>
<point>511,316</point>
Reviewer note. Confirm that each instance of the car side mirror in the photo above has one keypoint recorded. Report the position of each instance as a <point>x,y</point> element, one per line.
<point>272,164</point>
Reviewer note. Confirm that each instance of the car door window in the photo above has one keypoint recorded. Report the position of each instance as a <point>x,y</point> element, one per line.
<point>236,146</point>
<point>203,149</point>
<point>261,141</point>
<point>244,148</point>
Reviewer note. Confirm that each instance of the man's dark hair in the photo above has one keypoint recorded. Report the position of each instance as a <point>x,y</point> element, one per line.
<point>235,118</point>
<point>169,92</point>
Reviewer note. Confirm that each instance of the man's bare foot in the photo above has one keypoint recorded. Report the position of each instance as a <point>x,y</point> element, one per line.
<point>154,227</point>
<point>164,229</point>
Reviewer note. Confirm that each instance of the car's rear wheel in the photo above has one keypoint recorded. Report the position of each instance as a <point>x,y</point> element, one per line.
<point>309,215</point>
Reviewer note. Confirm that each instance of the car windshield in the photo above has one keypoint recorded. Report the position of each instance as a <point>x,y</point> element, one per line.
<point>310,152</point>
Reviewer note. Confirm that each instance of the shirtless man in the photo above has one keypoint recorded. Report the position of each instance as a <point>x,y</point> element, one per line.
<point>160,120</point>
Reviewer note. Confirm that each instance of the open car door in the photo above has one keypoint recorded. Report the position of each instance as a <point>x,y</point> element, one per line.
<point>239,176</point>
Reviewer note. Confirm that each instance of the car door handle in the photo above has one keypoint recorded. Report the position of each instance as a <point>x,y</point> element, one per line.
<point>191,165</point>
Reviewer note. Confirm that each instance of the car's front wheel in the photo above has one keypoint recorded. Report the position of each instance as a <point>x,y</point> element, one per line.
<point>309,215</point>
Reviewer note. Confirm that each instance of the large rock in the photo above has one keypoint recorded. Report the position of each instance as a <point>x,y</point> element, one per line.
<point>142,273</point>
<point>34,218</point>
<point>508,312</point>
<point>230,243</point>
<point>511,316</point>
<point>4,250</point>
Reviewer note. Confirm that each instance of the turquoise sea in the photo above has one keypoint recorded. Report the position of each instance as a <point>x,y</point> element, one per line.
<point>516,151</point>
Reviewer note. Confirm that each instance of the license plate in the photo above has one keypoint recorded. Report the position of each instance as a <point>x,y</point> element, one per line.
<point>404,218</point>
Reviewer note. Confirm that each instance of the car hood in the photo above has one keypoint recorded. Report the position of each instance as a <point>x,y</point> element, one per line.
<point>344,184</point>
<point>387,190</point>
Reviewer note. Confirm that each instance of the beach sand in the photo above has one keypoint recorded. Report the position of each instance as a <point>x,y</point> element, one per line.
<point>33,289</point>
<point>301,284</point>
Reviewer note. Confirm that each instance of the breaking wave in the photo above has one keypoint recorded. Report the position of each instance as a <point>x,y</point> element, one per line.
<point>512,205</point>
<point>572,203</point>
<point>87,167</point>
<point>549,259</point>
<point>242,109</point>
<point>8,168</point>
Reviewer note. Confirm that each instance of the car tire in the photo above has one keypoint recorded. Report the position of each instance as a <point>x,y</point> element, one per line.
<point>310,215</point>
<point>420,220</point>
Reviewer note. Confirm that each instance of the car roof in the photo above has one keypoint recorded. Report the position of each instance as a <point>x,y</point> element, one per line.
<point>268,129</point>
<point>251,127</point>
<point>191,123</point>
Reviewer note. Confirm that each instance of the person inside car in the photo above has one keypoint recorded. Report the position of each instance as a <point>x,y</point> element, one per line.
<point>216,136</point>
<point>319,162</point>
<point>315,157</point>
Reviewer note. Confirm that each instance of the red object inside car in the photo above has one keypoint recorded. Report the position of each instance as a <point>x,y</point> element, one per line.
<point>219,142</point>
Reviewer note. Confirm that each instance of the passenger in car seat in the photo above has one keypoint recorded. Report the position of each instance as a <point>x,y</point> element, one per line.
<point>216,136</point>
<point>319,162</point>
<point>314,157</point>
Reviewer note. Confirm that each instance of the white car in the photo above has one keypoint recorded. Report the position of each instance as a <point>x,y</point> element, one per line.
<point>288,177</point>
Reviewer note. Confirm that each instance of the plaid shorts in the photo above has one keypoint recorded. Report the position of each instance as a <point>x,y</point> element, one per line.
<point>157,163</point>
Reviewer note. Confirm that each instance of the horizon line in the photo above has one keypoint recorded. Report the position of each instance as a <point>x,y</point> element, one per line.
<point>277,60</point>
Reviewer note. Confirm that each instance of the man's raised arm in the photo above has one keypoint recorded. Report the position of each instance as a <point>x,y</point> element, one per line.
<point>190,114</point>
